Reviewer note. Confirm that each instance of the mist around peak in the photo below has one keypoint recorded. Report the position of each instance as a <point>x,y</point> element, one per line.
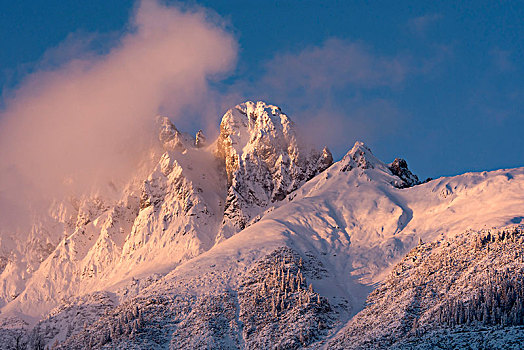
<point>88,121</point>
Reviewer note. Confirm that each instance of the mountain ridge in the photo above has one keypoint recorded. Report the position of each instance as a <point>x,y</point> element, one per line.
<point>205,218</point>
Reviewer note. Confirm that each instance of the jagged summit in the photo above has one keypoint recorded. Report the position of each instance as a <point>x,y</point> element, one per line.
<point>399,167</point>
<point>255,129</point>
<point>263,158</point>
<point>255,228</point>
<point>361,156</point>
<point>170,137</point>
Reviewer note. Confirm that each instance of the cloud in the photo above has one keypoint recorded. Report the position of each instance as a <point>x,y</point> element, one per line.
<point>334,64</point>
<point>87,120</point>
<point>502,60</point>
<point>420,25</point>
<point>339,126</point>
<point>336,92</point>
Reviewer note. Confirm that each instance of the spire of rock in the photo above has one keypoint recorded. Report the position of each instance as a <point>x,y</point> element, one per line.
<point>399,167</point>
<point>170,137</point>
<point>264,161</point>
<point>200,139</point>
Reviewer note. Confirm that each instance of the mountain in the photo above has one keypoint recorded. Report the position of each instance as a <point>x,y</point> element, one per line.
<point>256,240</point>
<point>264,161</point>
<point>183,200</point>
<point>464,292</point>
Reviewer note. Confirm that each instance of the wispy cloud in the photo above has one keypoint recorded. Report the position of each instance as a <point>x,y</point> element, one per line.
<point>334,64</point>
<point>86,119</point>
<point>420,25</point>
<point>336,92</point>
<point>502,60</point>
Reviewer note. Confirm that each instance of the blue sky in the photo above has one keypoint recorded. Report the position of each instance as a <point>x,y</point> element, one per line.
<point>438,83</point>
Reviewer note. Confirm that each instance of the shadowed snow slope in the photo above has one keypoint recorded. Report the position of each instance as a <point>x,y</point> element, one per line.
<point>207,225</point>
<point>450,294</point>
<point>353,219</point>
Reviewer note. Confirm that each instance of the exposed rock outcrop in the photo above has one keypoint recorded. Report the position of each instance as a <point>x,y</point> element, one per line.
<point>399,167</point>
<point>264,160</point>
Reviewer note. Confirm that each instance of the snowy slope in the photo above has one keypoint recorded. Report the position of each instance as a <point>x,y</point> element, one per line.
<point>174,208</point>
<point>451,293</point>
<point>239,229</point>
<point>356,221</point>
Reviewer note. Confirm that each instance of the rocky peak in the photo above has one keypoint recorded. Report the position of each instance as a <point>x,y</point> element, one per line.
<point>399,167</point>
<point>200,139</point>
<point>326,159</point>
<point>360,156</point>
<point>254,128</point>
<point>171,138</point>
<point>263,158</point>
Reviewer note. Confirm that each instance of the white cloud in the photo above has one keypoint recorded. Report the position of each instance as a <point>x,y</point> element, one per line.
<point>87,118</point>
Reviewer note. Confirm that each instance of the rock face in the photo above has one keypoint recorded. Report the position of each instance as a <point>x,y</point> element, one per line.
<point>263,161</point>
<point>171,138</point>
<point>399,167</point>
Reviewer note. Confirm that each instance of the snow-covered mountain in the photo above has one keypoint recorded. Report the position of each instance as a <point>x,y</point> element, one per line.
<point>464,292</point>
<point>253,241</point>
<point>264,161</point>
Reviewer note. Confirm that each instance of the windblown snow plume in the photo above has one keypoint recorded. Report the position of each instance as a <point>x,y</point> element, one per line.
<point>64,130</point>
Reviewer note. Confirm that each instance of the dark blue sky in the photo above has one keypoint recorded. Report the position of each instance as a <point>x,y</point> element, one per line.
<point>438,83</point>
